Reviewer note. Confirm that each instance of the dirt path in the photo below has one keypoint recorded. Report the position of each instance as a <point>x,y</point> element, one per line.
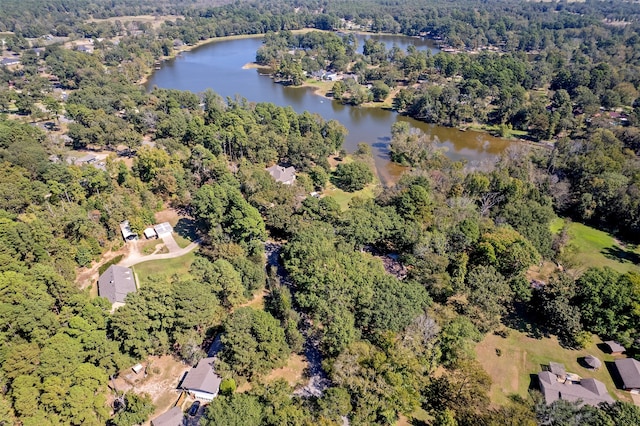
<point>86,277</point>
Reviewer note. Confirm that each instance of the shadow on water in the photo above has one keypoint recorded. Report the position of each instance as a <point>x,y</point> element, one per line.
<point>621,255</point>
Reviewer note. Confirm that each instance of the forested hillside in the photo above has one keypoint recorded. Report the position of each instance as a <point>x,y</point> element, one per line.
<point>391,294</point>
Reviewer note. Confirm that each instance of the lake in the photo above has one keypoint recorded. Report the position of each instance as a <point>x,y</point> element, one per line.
<point>219,66</point>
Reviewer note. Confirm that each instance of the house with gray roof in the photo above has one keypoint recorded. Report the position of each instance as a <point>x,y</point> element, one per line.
<point>115,283</point>
<point>629,370</point>
<point>587,391</point>
<point>173,417</point>
<point>202,380</point>
<point>10,61</point>
<point>285,175</point>
<point>615,348</point>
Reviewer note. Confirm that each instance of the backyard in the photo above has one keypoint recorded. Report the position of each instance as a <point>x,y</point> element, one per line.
<point>512,363</point>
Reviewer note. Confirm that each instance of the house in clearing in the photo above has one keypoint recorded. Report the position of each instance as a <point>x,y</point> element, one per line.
<point>115,283</point>
<point>285,175</point>
<point>629,370</point>
<point>572,388</point>
<point>202,380</point>
<point>173,417</point>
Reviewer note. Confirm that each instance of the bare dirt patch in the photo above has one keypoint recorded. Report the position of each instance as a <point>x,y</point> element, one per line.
<point>89,276</point>
<point>292,372</point>
<point>161,382</point>
<point>168,215</point>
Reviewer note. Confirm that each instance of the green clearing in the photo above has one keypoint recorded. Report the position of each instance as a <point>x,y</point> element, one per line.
<point>590,247</point>
<point>148,247</point>
<point>522,356</point>
<point>343,198</point>
<point>180,240</point>
<point>164,267</point>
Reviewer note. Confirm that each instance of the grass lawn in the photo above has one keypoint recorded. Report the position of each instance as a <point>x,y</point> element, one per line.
<point>522,356</point>
<point>592,247</point>
<point>182,241</point>
<point>343,197</point>
<point>164,268</point>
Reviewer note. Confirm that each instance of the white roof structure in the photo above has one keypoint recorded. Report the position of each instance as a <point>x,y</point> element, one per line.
<point>127,233</point>
<point>285,175</point>
<point>149,233</point>
<point>163,228</point>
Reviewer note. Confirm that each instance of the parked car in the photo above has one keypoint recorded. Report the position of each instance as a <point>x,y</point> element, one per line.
<point>194,408</point>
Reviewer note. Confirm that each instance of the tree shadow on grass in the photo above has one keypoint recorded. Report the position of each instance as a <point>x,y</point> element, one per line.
<point>621,255</point>
<point>188,228</point>
<point>519,319</point>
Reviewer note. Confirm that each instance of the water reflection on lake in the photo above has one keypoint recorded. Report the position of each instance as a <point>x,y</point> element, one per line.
<point>218,65</point>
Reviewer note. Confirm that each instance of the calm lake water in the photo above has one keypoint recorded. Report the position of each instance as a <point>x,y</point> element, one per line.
<point>218,66</point>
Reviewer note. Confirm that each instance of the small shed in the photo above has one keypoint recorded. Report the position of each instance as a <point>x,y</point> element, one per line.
<point>593,362</point>
<point>137,368</point>
<point>127,233</point>
<point>615,348</point>
<point>150,233</point>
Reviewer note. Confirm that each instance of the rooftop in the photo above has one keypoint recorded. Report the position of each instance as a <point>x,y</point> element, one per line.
<point>615,347</point>
<point>629,370</point>
<point>163,229</point>
<point>203,377</point>
<point>589,391</point>
<point>115,283</point>
<point>285,175</point>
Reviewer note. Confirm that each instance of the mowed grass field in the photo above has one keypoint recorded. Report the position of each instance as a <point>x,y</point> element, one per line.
<point>513,361</point>
<point>522,356</point>
<point>164,268</point>
<point>591,247</point>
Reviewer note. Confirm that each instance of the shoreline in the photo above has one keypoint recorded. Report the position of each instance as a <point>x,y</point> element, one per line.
<point>319,88</point>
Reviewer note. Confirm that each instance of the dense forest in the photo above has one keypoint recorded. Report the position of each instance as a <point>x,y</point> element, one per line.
<point>396,343</point>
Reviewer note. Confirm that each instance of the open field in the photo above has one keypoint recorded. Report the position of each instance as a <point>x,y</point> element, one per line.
<point>164,268</point>
<point>591,247</point>
<point>521,357</point>
<point>343,197</point>
<point>155,21</point>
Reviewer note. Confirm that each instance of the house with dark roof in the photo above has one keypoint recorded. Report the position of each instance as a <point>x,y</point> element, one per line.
<point>115,283</point>
<point>202,380</point>
<point>173,417</point>
<point>629,370</point>
<point>285,175</point>
<point>587,391</point>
